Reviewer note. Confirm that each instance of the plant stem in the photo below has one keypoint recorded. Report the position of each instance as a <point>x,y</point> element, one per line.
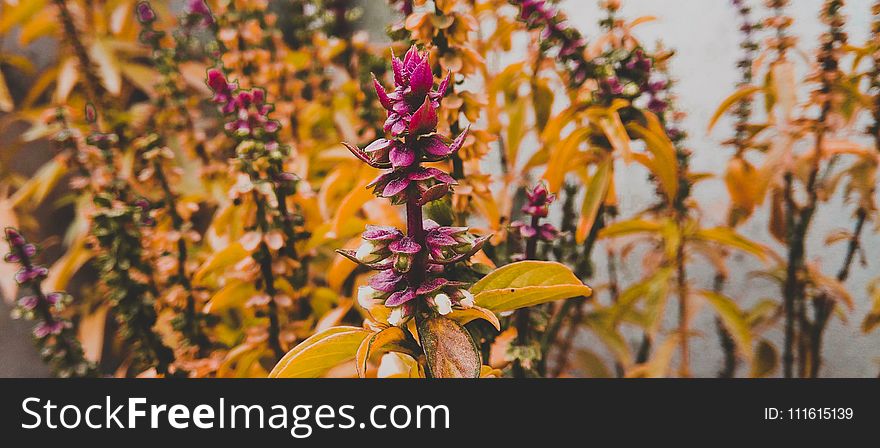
<point>683,306</point>
<point>824,305</point>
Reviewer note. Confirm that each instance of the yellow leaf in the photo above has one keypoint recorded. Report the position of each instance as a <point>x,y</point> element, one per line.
<point>65,267</point>
<point>19,14</point>
<point>595,195</point>
<point>629,227</point>
<point>374,344</point>
<point>475,312</point>
<point>67,78</point>
<point>141,76</point>
<point>320,353</point>
<point>516,129</point>
<point>658,365</point>
<point>38,186</point>
<point>108,66</point>
<point>561,157</point>
<point>784,84</point>
<point>6,103</point>
<point>734,320</point>
<point>615,131</point>
<point>527,283</point>
<point>44,25</point>
<point>333,317</point>
<point>664,163</point>
<point>233,295</point>
<point>730,238</point>
<point>222,259</point>
<point>352,202</point>
<point>737,96</point>
<point>90,333</point>
<point>450,351</point>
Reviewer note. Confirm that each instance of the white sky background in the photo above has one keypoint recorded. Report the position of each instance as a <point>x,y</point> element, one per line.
<point>705,35</point>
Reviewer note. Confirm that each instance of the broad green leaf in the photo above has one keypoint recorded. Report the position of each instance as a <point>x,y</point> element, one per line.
<point>737,96</point>
<point>527,283</point>
<point>321,352</point>
<point>450,351</point>
<point>595,195</point>
<point>734,320</point>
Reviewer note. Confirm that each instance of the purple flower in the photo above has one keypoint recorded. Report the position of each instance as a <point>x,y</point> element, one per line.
<point>538,201</point>
<point>613,86</point>
<point>657,105</point>
<point>145,13</point>
<point>222,90</point>
<point>44,329</point>
<point>394,185</point>
<point>412,97</point>
<point>404,250</point>
<point>639,62</point>
<point>28,302</point>
<point>450,244</point>
<point>200,9</point>
<point>30,273</point>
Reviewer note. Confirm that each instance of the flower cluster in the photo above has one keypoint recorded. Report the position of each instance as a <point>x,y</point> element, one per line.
<point>264,182</point>
<point>412,122</point>
<point>537,206</point>
<point>53,333</point>
<point>541,15</point>
<point>412,263</point>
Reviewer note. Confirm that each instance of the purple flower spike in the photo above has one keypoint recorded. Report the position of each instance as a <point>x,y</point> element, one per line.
<point>412,265</point>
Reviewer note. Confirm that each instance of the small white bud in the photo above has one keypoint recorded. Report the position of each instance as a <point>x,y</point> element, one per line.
<point>444,305</point>
<point>396,316</point>
<point>366,295</point>
<point>364,251</point>
<point>468,300</point>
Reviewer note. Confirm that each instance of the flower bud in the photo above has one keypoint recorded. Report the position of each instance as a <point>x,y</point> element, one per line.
<point>443,303</point>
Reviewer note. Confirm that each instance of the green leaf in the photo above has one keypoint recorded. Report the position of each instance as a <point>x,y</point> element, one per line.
<point>527,283</point>
<point>734,320</point>
<point>450,351</point>
<point>321,352</point>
